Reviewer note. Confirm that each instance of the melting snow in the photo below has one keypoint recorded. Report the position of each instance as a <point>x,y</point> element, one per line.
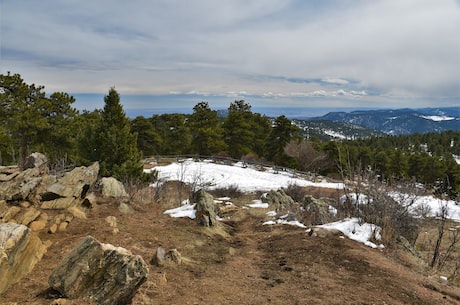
<point>212,176</point>
<point>353,229</point>
<point>438,118</point>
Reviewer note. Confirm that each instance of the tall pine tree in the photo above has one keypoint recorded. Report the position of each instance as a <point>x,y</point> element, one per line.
<point>117,146</point>
<point>206,130</point>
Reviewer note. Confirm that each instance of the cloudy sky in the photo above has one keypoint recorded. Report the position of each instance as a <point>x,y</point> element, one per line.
<point>280,53</point>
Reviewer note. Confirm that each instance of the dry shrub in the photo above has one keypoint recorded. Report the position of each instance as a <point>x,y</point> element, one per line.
<point>296,192</point>
<point>231,191</point>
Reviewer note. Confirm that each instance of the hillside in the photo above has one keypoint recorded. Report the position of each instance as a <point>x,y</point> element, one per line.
<point>242,260</point>
<point>400,121</point>
<point>326,130</point>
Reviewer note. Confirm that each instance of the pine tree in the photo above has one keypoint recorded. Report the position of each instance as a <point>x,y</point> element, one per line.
<point>238,132</point>
<point>148,140</point>
<point>30,118</point>
<point>117,150</point>
<point>281,134</point>
<point>206,130</point>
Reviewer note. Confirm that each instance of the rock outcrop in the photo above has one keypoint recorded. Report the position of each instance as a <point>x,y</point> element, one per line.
<point>315,211</point>
<point>103,272</point>
<point>206,209</point>
<point>73,184</point>
<point>278,200</point>
<point>20,185</point>
<point>111,187</point>
<point>20,250</point>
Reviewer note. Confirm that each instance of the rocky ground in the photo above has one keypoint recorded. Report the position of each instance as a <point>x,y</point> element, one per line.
<point>241,261</point>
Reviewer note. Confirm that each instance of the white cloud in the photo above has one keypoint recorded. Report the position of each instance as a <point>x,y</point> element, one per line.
<point>396,49</point>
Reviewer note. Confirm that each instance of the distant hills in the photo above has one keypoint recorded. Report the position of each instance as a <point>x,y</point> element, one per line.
<point>367,123</point>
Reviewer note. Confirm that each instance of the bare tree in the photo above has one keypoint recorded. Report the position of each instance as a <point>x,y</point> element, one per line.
<point>443,213</point>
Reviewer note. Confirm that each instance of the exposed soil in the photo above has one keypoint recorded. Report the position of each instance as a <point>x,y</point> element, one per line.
<point>239,262</point>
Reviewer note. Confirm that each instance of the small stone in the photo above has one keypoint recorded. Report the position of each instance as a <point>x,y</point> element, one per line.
<point>63,226</point>
<point>159,257</point>
<point>53,228</point>
<point>37,225</point>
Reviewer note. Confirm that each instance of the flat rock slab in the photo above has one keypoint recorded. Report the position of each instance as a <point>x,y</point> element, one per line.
<point>20,251</point>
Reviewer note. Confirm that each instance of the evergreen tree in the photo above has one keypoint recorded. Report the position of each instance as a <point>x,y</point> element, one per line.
<point>281,134</point>
<point>261,127</point>
<point>206,130</point>
<point>174,133</point>
<point>32,120</point>
<point>238,131</point>
<point>117,145</point>
<point>23,109</point>
<point>148,140</point>
<point>60,141</point>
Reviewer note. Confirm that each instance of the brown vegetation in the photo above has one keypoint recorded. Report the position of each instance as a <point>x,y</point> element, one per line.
<point>241,261</point>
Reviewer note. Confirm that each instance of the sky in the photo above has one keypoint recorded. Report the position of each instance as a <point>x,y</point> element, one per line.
<point>272,53</point>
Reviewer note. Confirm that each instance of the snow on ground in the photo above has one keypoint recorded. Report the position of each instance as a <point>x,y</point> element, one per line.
<point>430,203</point>
<point>212,176</point>
<point>353,229</point>
<point>186,210</point>
<point>437,118</point>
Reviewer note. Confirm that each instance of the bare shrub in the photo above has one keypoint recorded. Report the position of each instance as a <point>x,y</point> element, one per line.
<point>296,192</point>
<point>369,199</point>
<point>308,157</point>
<point>232,191</point>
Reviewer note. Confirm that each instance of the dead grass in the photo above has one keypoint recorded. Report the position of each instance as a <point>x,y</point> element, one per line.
<point>241,261</point>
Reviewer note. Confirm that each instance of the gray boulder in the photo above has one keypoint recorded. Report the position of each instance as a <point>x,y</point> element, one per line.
<point>37,160</point>
<point>103,272</point>
<point>111,187</point>
<point>21,185</point>
<point>206,209</point>
<point>20,251</point>
<point>278,199</point>
<point>315,211</point>
<point>74,183</point>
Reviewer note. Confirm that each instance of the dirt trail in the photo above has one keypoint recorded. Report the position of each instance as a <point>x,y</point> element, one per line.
<point>241,262</point>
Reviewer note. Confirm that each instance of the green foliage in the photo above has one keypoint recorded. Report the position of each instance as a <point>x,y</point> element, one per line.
<point>88,126</point>
<point>206,130</point>
<point>427,158</point>
<point>34,122</point>
<point>281,134</point>
<point>244,131</point>
<point>174,133</point>
<point>114,145</point>
<point>148,139</point>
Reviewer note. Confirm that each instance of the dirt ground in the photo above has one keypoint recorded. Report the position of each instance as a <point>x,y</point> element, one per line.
<point>241,261</point>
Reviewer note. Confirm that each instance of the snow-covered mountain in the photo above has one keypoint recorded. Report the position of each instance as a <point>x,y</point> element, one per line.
<point>400,121</point>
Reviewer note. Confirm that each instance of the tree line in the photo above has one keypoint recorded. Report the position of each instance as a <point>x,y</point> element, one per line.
<point>34,121</point>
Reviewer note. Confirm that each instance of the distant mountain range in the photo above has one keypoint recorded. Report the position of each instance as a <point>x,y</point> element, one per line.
<point>366,123</point>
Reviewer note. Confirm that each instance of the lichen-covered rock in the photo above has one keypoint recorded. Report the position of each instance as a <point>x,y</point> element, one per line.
<point>37,160</point>
<point>111,187</point>
<point>315,211</point>
<point>206,208</point>
<point>60,203</point>
<point>73,184</point>
<point>21,186</point>
<point>278,200</point>
<point>103,272</point>
<point>20,250</point>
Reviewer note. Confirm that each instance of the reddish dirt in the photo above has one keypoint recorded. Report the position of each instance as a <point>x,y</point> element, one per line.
<point>240,262</point>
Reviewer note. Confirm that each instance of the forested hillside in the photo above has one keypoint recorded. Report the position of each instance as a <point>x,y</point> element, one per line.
<point>35,121</point>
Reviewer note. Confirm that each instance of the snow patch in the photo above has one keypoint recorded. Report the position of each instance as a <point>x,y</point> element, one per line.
<point>360,232</point>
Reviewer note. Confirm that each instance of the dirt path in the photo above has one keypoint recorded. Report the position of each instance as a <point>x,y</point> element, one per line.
<point>241,262</point>
<point>284,265</point>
